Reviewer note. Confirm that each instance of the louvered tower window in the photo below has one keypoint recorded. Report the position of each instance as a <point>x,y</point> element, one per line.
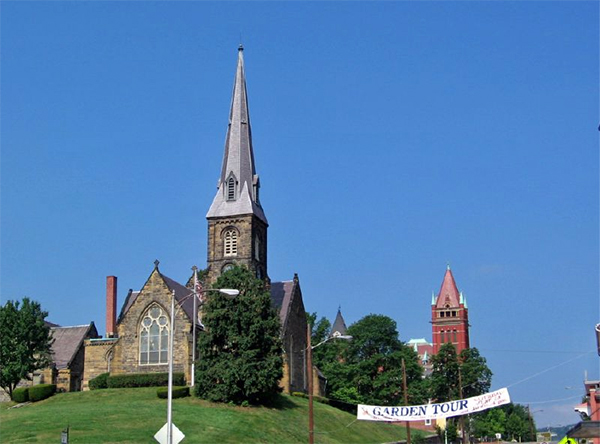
<point>231,189</point>
<point>230,243</point>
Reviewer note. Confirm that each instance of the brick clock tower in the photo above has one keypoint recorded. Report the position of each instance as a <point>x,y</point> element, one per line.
<point>449,316</point>
<point>237,225</point>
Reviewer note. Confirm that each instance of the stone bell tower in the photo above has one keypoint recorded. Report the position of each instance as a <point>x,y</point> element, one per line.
<point>237,225</point>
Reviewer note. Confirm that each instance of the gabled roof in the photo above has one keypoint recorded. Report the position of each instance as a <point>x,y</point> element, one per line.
<point>238,159</point>
<point>449,294</point>
<point>67,341</point>
<point>281,297</point>
<point>181,294</point>
<point>339,325</point>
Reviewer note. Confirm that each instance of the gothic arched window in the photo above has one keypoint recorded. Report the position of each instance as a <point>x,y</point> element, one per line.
<point>154,337</point>
<point>230,242</point>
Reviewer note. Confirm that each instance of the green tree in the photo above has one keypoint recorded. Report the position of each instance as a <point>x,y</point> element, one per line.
<point>240,353</point>
<point>24,342</point>
<point>370,368</point>
<point>475,376</point>
<point>486,424</point>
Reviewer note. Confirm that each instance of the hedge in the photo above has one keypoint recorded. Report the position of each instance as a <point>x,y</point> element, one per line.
<point>20,394</point>
<point>144,380</point>
<point>99,382</point>
<point>341,405</point>
<point>178,392</point>
<point>41,391</point>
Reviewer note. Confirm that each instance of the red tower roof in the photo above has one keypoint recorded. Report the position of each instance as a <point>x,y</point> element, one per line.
<point>449,294</point>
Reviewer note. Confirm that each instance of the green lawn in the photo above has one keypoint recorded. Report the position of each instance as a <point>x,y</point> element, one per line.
<point>135,415</point>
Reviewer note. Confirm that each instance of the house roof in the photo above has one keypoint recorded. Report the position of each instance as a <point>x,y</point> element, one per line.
<point>449,294</point>
<point>281,297</point>
<point>67,341</point>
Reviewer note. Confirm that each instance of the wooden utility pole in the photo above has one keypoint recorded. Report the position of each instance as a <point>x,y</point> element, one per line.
<point>405,390</point>
<point>462,417</point>
<point>311,430</point>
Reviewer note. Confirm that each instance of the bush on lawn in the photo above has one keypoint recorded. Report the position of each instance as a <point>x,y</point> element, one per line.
<point>178,392</point>
<point>99,382</point>
<point>41,391</point>
<point>144,380</point>
<point>20,394</point>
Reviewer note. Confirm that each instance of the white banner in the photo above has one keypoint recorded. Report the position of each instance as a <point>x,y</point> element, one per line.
<point>434,411</point>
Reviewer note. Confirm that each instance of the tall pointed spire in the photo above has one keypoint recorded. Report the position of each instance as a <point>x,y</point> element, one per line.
<point>238,184</point>
<point>339,325</point>
<point>449,294</point>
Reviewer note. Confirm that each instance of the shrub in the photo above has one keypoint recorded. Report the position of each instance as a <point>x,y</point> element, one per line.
<point>20,394</point>
<point>178,392</point>
<point>144,380</point>
<point>99,382</point>
<point>41,391</point>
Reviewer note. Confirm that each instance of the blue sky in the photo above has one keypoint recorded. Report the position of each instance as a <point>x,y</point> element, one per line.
<point>391,138</point>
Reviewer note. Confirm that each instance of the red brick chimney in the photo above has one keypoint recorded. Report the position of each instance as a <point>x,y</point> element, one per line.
<point>111,306</point>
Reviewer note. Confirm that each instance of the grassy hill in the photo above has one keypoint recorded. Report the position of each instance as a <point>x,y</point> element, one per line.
<point>135,415</point>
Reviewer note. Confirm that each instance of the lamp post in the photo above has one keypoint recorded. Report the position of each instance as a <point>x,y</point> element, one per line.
<point>309,349</point>
<point>226,291</point>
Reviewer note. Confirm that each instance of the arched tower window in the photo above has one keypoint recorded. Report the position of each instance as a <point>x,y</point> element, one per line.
<point>154,337</point>
<point>230,242</point>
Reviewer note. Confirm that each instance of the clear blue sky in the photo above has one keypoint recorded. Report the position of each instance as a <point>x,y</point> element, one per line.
<point>390,137</point>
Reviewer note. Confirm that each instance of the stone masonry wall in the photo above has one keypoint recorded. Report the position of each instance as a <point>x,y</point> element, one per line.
<point>294,343</point>
<point>126,358</point>
<point>97,359</point>
<point>248,227</point>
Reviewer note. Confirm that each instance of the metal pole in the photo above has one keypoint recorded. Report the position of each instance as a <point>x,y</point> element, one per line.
<point>170,387</point>
<point>194,322</point>
<point>311,432</point>
<point>405,390</point>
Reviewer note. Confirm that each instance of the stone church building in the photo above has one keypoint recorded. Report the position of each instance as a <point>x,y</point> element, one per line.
<point>136,340</point>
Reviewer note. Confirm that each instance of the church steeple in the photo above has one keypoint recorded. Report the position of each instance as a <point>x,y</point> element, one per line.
<point>238,185</point>
<point>237,225</point>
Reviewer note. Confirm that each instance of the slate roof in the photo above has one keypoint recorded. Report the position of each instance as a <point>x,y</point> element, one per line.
<point>449,293</point>
<point>238,158</point>
<point>281,297</point>
<point>67,341</point>
<point>339,325</point>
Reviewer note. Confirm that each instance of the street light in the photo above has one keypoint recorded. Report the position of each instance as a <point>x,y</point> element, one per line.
<point>309,349</point>
<point>226,291</point>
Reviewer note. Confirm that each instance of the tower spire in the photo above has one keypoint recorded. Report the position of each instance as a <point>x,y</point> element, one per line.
<point>238,185</point>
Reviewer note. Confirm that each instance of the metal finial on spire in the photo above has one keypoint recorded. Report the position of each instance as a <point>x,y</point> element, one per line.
<point>241,47</point>
<point>194,268</point>
<point>447,265</point>
<point>156,262</point>
<point>340,307</point>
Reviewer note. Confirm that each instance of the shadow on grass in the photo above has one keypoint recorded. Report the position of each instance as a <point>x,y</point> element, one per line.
<point>281,402</point>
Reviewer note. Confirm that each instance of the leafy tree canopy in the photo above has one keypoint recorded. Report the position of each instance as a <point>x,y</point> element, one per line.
<point>370,368</point>
<point>240,353</point>
<point>24,342</point>
<point>475,376</point>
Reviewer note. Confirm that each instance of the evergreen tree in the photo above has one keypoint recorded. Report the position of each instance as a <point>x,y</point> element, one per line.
<point>24,342</point>
<point>240,353</point>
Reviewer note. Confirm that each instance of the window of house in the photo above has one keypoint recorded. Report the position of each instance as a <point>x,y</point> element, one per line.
<point>230,243</point>
<point>154,337</point>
